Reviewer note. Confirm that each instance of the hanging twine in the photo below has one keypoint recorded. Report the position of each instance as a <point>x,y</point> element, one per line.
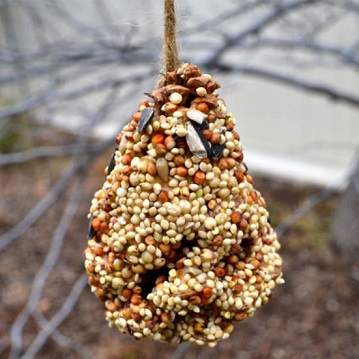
<point>170,57</point>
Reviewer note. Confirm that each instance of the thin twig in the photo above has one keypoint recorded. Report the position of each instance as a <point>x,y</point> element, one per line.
<point>44,271</point>
<point>40,208</point>
<point>42,274</point>
<point>305,208</point>
<point>80,165</point>
<point>57,319</point>
<point>288,79</point>
<point>46,97</point>
<point>41,152</point>
<point>310,203</point>
<point>256,26</point>
<point>63,340</point>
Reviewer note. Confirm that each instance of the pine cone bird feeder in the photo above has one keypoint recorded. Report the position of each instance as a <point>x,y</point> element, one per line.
<point>180,246</point>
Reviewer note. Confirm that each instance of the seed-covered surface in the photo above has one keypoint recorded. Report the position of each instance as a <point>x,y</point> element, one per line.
<point>180,245</point>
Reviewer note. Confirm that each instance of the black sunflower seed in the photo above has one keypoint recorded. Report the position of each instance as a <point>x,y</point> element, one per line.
<point>146,116</point>
<point>91,232</point>
<point>204,125</point>
<point>216,150</point>
<point>112,163</point>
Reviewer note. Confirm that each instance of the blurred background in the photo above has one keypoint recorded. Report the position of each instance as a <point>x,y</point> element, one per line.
<point>71,74</point>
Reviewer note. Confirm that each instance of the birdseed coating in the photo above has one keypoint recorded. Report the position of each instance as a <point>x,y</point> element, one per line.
<point>180,247</point>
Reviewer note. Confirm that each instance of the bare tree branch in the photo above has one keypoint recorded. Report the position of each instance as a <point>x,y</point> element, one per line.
<point>61,339</point>
<point>58,318</point>
<point>347,56</point>
<point>47,97</point>
<point>256,27</point>
<point>44,271</point>
<point>242,9</point>
<point>78,167</point>
<point>296,82</point>
<point>310,203</point>
<point>40,208</point>
<point>41,152</point>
